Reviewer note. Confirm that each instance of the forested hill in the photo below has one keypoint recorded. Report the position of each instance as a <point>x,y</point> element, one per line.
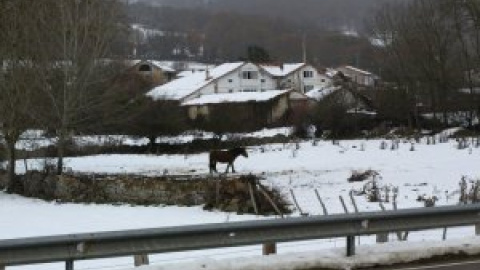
<point>221,30</point>
<point>321,13</point>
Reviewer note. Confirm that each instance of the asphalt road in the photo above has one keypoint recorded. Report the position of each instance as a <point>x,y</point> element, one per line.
<point>466,265</point>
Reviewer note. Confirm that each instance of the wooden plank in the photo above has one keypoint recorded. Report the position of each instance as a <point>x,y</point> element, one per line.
<point>296,203</point>
<point>325,212</point>
<point>354,203</point>
<point>252,197</point>
<point>343,204</point>
<point>270,200</point>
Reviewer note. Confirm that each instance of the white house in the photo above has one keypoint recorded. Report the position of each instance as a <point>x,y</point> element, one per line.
<point>300,77</point>
<point>268,94</point>
<point>241,77</point>
<point>225,78</point>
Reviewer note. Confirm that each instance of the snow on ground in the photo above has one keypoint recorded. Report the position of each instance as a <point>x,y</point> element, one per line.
<point>429,169</point>
<point>384,254</point>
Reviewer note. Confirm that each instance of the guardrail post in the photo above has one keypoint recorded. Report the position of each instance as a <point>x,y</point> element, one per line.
<point>69,265</point>
<point>382,237</point>
<point>269,248</point>
<point>350,246</point>
<point>139,260</point>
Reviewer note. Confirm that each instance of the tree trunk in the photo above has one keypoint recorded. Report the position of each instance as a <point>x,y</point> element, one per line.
<point>152,145</point>
<point>13,184</point>
<point>60,152</point>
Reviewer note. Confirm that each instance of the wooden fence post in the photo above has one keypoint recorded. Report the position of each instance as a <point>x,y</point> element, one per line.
<point>269,248</point>
<point>343,204</point>
<point>382,237</point>
<point>296,204</point>
<point>350,246</point>
<point>325,212</point>
<point>69,265</point>
<point>401,236</point>
<point>354,203</point>
<point>139,260</point>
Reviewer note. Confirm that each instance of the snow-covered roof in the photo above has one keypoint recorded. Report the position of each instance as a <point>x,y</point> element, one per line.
<point>331,72</point>
<point>165,66</point>
<point>161,65</point>
<point>282,70</point>
<point>238,97</point>
<point>319,93</point>
<point>358,70</point>
<point>180,88</point>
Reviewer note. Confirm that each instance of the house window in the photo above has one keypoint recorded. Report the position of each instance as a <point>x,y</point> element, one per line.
<point>230,80</point>
<point>250,75</point>
<point>262,80</point>
<point>307,88</point>
<point>263,90</point>
<point>230,91</point>
<point>249,90</point>
<point>322,80</point>
<point>308,74</point>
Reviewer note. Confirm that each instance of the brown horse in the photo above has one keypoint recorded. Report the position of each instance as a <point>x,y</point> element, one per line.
<point>225,156</point>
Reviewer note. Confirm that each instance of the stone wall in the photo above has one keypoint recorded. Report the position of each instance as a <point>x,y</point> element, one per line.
<point>226,193</point>
<point>138,190</point>
<point>112,189</point>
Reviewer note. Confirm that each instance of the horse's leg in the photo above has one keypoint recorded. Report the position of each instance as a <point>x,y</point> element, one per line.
<point>213,166</point>
<point>228,165</point>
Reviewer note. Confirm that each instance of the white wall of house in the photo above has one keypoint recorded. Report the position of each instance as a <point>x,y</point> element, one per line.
<point>305,79</point>
<point>252,78</point>
<point>248,78</point>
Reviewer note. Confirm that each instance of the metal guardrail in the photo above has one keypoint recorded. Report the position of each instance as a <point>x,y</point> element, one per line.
<point>73,247</point>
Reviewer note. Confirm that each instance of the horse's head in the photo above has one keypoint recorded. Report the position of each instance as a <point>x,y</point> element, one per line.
<point>241,151</point>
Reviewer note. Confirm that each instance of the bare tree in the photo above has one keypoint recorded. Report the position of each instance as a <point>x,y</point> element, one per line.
<point>16,76</point>
<point>422,46</point>
<point>465,16</point>
<point>74,39</point>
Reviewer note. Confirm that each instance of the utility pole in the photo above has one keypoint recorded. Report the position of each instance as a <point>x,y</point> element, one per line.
<point>304,48</point>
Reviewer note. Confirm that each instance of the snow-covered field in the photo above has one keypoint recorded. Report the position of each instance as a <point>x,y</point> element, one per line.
<point>431,170</point>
